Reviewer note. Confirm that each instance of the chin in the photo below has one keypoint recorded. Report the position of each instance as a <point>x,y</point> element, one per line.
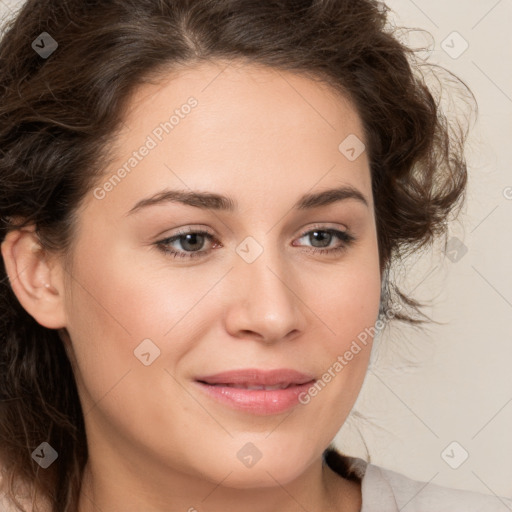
<point>268,470</point>
<point>264,476</point>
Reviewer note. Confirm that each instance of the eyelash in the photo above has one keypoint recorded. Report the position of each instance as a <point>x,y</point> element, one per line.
<point>163,245</point>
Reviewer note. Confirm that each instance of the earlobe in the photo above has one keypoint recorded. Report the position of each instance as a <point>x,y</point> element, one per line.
<point>37,284</point>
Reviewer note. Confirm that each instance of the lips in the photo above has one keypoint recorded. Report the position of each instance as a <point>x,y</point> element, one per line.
<point>256,379</point>
<point>254,391</point>
<point>247,386</point>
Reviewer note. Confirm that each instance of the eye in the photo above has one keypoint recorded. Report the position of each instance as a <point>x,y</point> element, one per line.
<point>325,236</point>
<point>192,242</point>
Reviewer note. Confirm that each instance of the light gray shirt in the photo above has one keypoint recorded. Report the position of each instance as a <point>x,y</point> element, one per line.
<point>384,490</point>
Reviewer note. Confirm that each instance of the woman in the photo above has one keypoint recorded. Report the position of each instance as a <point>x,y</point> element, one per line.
<point>201,202</point>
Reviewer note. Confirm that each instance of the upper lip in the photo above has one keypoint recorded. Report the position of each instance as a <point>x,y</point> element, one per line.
<point>257,377</point>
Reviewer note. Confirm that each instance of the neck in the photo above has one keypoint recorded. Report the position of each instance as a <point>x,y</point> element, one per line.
<point>123,487</point>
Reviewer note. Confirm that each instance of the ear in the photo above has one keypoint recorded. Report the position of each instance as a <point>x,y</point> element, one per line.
<point>36,281</point>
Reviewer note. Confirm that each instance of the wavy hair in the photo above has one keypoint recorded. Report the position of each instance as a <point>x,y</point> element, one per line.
<point>60,113</point>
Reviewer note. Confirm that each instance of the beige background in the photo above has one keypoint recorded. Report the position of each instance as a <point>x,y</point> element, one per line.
<point>461,387</point>
<point>426,390</point>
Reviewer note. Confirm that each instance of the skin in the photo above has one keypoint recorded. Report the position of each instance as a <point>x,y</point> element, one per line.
<point>156,442</point>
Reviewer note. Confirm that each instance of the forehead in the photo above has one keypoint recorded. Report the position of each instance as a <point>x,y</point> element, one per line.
<point>231,91</point>
<point>251,132</point>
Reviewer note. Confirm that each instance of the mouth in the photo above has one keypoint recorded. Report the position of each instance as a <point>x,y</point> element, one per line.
<point>255,391</point>
<point>254,378</point>
<point>248,386</point>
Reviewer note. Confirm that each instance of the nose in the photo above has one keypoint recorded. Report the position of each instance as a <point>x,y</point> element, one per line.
<point>266,303</point>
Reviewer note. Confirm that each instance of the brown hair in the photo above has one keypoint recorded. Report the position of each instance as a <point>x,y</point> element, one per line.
<point>59,114</point>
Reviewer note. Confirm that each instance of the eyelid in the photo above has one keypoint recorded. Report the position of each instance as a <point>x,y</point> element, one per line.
<point>191,229</point>
<point>323,227</point>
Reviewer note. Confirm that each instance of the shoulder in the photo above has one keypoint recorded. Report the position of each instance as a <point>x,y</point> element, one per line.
<point>384,490</point>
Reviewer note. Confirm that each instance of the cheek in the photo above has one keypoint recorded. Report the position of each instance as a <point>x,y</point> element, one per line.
<point>117,301</point>
<point>110,309</point>
<point>348,309</point>
<point>348,301</point>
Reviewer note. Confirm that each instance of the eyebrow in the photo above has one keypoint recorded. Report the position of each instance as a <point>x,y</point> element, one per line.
<point>218,202</point>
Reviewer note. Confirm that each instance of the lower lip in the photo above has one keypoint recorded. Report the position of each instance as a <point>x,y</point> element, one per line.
<point>257,401</point>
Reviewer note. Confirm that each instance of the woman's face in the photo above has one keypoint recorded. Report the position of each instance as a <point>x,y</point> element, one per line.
<point>252,294</point>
